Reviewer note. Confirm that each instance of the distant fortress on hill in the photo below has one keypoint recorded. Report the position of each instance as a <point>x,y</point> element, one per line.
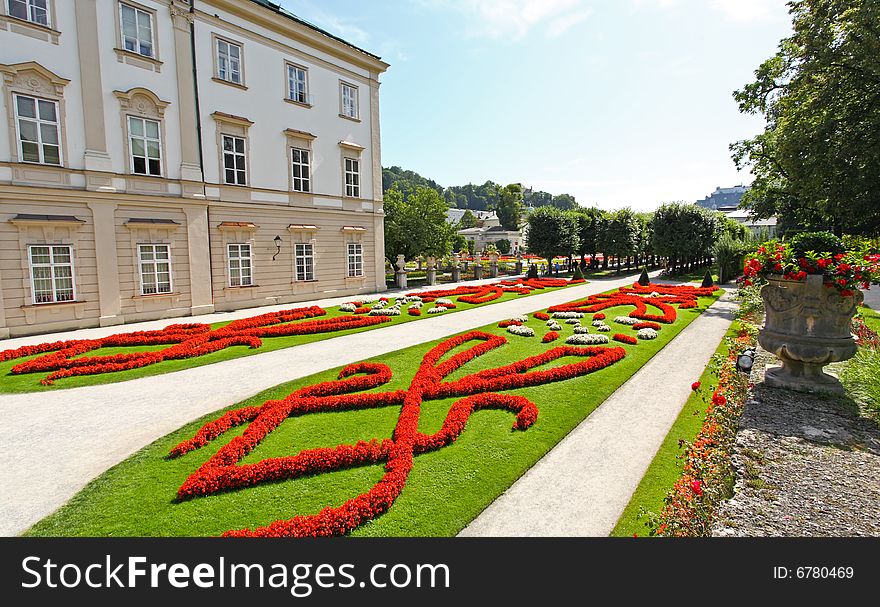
<point>724,197</point>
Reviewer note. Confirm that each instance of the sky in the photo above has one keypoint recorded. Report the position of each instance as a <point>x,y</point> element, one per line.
<point>617,102</point>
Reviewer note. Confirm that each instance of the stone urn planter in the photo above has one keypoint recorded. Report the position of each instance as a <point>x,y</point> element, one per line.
<point>431,272</point>
<point>807,327</point>
<point>493,265</point>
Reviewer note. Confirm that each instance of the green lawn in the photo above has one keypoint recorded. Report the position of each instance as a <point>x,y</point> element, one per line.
<point>667,465</point>
<point>30,382</point>
<point>446,488</point>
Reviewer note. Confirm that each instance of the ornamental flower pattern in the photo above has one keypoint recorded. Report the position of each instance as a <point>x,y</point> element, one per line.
<point>481,390</point>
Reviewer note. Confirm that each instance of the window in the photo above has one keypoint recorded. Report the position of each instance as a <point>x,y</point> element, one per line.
<point>241,265</point>
<point>305,261</point>
<point>137,30</point>
<point>349,101</point>
<point>155,266</point>
<point>352,177</point>
<point>355,259</point>
<point>37,122</point>
<point>146,145</point>
<point>302,175</point>
<point>228,61</point>
<point>297,84</point>
<point>52,273</point>
<point>234,171</point>
<point>35,11</point>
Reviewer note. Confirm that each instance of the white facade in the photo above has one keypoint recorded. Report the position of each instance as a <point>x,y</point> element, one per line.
<point>141,158</point>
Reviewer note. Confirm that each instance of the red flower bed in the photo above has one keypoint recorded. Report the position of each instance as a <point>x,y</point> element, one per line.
<point>509,323</point>
<point>551,336</point>
<point>414,312</point>
<point>184,341</point>
<point>541,315</point>
<point>647,325</point>
<point>223,470</point>
<point>625,339</point>
<point>598,316</point>
<point>363,310</point>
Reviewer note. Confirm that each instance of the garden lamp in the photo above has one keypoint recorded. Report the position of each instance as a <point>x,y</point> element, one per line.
<point>746,360</point>
<point>277,246</point>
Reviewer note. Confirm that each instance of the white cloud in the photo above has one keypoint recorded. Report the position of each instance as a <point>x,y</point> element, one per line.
<point>514,19</point>
<point>745,11</point>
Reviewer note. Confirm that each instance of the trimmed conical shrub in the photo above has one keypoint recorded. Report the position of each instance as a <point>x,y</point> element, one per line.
<point>707,280</point>
<point>577,274</point>
<point>644,279</point>
<point>533,271</point>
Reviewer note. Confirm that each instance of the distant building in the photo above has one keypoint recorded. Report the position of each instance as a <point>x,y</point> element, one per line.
<point>485,219</point>
<point>767,227</point>
<point>724,197</point>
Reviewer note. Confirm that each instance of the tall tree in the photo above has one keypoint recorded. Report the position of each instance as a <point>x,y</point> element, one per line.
<point>621,234</point>
<point>468,220</point>
<point>416,225</point>
<point>564,202</point>
<point>508,206</point>
<point>589,231</point>
<point>817,161</point>
<point>551,233</point>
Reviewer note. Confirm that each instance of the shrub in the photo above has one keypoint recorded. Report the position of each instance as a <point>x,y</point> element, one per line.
<point>817,242</point>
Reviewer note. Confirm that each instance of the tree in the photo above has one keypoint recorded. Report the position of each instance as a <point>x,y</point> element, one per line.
<point>508,206</point>
<point>551,233</point>
<point>590,222</point>
<point>817,161</point>
<point>564,202</point>
<point>468,220</point>
<point>620,237</point>
<point>416,225</point>
<point>503,246</point>
<point>684,233</point>
<point>406,181</point>
<point>537,198</point>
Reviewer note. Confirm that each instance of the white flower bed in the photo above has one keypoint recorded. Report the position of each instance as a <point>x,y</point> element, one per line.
<point>437,310</point>
<point>347,307</point>
<point>604,329</point>
<point>598,323</point>
<point>378,305</point>
<point>647,334</point>
<point>573,321</point>
<point>568,315</point>
<point>522,319</point>
<point>416,305</point>
<point>553,325</point>
<point>587,340</point>
<point>386,312</point>
<point>413,298</point>
<point>443,301</point>
<point>581,330</point>
<point>627,320</point>
<point>521,331</point>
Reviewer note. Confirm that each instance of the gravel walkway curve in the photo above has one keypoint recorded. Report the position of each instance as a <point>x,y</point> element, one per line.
<point>56,442</point>
<point>581,487</point>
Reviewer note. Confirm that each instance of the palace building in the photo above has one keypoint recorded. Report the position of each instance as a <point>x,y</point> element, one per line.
<point>166,158</point>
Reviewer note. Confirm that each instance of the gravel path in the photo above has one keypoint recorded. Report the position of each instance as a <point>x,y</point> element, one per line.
<point>55,442</point>
<point>806,466</point>
<point>581,487</point>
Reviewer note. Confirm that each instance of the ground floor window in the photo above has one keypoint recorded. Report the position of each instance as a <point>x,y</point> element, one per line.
<point>305,261</point>
<point>241,265</point>
<point>355,259</point>
<point>154,261</point>
<point>52,273</point>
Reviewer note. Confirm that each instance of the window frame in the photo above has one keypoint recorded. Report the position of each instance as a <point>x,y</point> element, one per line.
<point>234,154</point>
<point>354,260</point>
<point>39,122</point>
<point>306,100</point>
<point>250,266</point>
<point>217,39</point>
<point>308,168</point>
<point>146,139</point>
<point>51,265</point>
<point>351,190</point>
<point>29,9</point>
<point>343,85</point>
<point>140,268</point>
<point>308,262</point>
<point>150,14</point>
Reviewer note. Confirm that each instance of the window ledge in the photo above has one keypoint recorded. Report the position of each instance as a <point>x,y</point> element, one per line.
<point>157,295</point>
<point>52,304</point>
<point>131,58</point>
<point>304,282</point>
<point>231,288</point>
<point>355,277</point>
<point>299,103</point>
<point>229,83</point>
<point>35,27</point>
<point>349,118</point>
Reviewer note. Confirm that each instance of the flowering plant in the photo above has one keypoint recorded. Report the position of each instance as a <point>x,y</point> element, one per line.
<point>819,253</point>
